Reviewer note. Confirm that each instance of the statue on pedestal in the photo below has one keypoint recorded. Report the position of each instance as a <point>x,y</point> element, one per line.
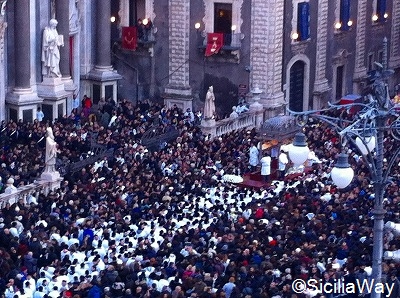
<point>209,105</point>
<point>51,152</point>
<point>50,50</point>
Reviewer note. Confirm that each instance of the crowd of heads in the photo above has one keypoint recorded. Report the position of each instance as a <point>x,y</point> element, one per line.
<point>163,223</point>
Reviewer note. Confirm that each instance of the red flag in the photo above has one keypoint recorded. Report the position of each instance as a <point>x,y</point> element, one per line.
<point>214,43</point>
<point>129,38</point>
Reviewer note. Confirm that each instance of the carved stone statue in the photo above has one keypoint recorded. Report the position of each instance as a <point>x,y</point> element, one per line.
<point>209,105</point>
<point>51,151</point>
<point>50,50</point>
<point>380,89</point>
<point>73,15</point>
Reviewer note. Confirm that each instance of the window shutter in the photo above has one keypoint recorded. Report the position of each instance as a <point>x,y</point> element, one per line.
<point>303,20</point>
<point>345,14</point>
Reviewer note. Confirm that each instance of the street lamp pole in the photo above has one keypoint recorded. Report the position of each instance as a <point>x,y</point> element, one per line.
<point>367,132</point>
<point>379,211</point>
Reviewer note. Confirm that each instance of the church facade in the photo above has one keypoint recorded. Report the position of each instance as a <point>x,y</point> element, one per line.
<point>299,53</point>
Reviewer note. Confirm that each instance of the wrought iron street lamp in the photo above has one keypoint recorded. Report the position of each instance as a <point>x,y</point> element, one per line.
<point>366,131</point>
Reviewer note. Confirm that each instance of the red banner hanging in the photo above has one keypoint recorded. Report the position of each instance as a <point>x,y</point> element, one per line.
<point>215,42</point>
<point>129,38</point>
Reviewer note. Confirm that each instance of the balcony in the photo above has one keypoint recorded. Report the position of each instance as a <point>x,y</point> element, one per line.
<point>228,125</point>
<point>232,42</point>
<point>230,50</point>
<point>24,193</point>
<point>146,36</point>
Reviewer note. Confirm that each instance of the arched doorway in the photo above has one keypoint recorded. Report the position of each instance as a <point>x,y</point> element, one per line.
<point>296,92</point>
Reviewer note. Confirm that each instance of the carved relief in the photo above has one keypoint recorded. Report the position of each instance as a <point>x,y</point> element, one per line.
<point>3,26</point>
<point>73,16</point>
<point>299,47</point>
<point>341,57</point>
<point>53,9</point>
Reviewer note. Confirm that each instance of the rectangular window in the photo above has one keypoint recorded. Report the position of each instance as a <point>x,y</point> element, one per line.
<point>133,14</point>
<point>380,57</point>
<point>303,21</point>
<point>223,21</point>
<point>339,82</point>
<point>381,10</point>
<point>345,15</point>
<point>370,61</point>
<point>137,11</point>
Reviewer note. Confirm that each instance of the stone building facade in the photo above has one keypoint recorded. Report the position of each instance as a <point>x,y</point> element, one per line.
<point>299,53</point>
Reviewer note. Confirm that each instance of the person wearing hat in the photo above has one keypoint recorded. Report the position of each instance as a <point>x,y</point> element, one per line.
<point>265,167</point>
<point>10,188</point>
<point>253,156</point>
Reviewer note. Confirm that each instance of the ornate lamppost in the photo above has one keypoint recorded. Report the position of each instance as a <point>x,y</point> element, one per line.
<point>377,116</point>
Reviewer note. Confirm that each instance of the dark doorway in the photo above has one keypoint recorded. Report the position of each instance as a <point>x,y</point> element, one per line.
<point>339,82</point>
<point>133,15</point>
<point>296,92</point>
<point>223,20</point>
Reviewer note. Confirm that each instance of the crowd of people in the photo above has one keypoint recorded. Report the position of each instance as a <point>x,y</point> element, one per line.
<point>164,223</point>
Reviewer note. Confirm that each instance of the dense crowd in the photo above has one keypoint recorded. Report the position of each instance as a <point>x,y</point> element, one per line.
<point>163,223</point>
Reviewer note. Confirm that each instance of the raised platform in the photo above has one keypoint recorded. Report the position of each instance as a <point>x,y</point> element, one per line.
<point>253,180</point>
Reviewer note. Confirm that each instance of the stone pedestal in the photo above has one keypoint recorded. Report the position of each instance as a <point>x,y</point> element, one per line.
<point>208,123</point>
<point>50,176</point>
<point>256,108</point>
<point>50,185</point>
<point>22,104</point>
<point>180,96</point>
<point>52,88</point>
<point>70,88</point>
<point>54,95</point>
<point>103,83</point>
<point>208,127</point>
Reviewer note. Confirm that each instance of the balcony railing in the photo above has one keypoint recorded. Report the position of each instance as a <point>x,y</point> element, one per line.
<point>232,42</point>
<point>24,192</point>
<point>146,35</point>
<point>245,120</point>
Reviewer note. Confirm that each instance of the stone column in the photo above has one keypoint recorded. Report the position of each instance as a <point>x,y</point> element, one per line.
<point>360,70</point>
<point>103,75</point>
<point>178,90</point>
<point>103,35</point>
<point>266,58</point>
<point>62,16</point>
<point>22,99</point>
<point>321,83</point>
<point>3,26</point>
<point>256,108</point>
<point>87,27</point>
<point>22,45</point>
